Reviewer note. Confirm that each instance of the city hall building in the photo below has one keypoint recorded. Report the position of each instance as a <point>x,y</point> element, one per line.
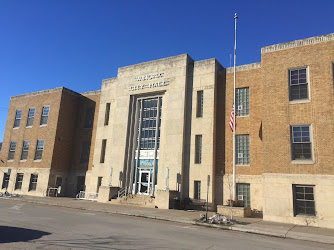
<point>160,130</point>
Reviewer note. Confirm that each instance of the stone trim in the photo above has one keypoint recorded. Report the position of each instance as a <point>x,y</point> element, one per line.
<point>88,93</point>
<point>47,91</point>
<point>244,67</point>
<point>298,43</point>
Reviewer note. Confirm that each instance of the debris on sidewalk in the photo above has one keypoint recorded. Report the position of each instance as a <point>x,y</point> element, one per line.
<point>216,219</point>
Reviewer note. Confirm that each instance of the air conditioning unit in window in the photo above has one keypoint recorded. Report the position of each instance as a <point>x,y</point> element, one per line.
<point>240,197</point>
<point>240,155</point>
<point>239,107</point>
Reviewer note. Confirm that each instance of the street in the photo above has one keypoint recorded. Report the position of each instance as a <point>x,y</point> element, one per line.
<point>24,225</point>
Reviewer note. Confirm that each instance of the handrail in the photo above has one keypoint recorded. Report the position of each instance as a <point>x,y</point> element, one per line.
<point>122,192</point>
<point>92,196</point>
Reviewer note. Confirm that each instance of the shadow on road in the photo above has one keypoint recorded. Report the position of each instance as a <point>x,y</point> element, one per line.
<point>17,234</point>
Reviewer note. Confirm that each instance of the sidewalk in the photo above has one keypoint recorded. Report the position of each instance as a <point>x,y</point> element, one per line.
<point>249,225</point>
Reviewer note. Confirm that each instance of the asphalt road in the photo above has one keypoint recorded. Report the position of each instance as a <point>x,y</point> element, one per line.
<point>24,225</point>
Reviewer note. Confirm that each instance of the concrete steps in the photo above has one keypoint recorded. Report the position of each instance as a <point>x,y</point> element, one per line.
<point>136,200</point>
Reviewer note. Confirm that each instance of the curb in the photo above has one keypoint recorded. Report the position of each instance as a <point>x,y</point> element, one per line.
<point>287,235</point>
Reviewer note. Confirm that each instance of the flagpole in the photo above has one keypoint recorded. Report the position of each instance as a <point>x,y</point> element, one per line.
<point>234,103</point>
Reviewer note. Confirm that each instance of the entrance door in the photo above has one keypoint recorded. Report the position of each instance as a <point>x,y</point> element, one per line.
<point>144,182</point>
<point>80,184</point>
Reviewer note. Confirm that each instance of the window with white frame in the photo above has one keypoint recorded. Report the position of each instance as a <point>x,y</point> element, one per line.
<point>242,101</point>
<point>25,150</point>
<point>198,149</point>
<point>33,182</point>
<point>242,150</point>
<point>298,84</point>
<point>18,116</point>
<point>301,143</point>
<point>39,149</point>
<point>31,116</point>
<point>19,180</point>
<point>11,152</point>
<point>197,190</point>
<point>303,200</point>
<point>45,115</point>
<point>199,112</point>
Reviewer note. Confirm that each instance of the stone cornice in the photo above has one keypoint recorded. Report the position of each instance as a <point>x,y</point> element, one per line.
<point>298,43</point>
<point>94,92</point>
<point>47,91</point>
<point>244,67</point>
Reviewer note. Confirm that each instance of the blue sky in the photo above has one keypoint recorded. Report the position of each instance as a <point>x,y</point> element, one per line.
<point>77,43</point>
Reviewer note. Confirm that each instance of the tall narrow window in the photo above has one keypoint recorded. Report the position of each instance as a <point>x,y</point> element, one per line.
<point>242,101</point>
<point>31,115</point>
<point>99,183</point>
<point>301,144</point>
<point>5,180</point>
<point>298,83</point>
<point>242,150</point>
<point>89,117</point>
<point>197,190</point>
<point>25,150</point>
<point>103,150</point>
<point>39,149</point>
<point>11,152</point>
<point>303,200</point>
<point>106,118</point>
<point>19,180</point>
<point>198,149</point>
<point>45,115</point>
<point>199,112</point>
<point>18,116</point>
<point>33,182</point>
<point>85,148</point>
<point>243,191</point>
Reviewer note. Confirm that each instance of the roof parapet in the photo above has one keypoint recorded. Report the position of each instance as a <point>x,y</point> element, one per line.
<point>244,67</point>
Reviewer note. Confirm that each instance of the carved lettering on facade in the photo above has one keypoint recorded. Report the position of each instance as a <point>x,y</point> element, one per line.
<point>148,85</point>
<point>149,77</point>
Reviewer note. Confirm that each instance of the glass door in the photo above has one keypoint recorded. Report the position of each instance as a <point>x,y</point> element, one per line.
<point>144,182</point>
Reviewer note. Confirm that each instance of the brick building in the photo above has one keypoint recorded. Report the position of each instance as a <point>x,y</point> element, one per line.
<point>160,129</point>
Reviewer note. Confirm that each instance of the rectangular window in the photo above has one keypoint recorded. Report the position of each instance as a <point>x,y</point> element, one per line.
<point>303,200</point>
<point>19,180</point>
<point>301,144</point>
<point>103,150</point>
<point>31,115</point>
<point>298,84</point>
<point>18,116</point>
<point>39,149</point>
<point>89,117</point>
<point>198,149</point>
<point>45,115</point>
<point>106,118</point>
<point>242,101</point>
<point>33,182</point>
<point>197,190</point>
<point>85,149</point>
<point>243,192</point>
<point>11,152</point>
<point>200,100</point>
<point>99,183</point>
<point>25,150</point>
<point>5,180</point>
<point>242,155</point>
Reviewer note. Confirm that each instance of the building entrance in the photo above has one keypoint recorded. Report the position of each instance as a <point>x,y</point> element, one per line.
<point>145,181</point>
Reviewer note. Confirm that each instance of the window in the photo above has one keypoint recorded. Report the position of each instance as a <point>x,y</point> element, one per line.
<point>103,150</point>
<point>99,183</point>
<point>31,115</point>
<point>243,192</point>
<point>45,115</point>
<point>242,155</point>
<point>39,149</point>
<point>19,180</point>
<point>85,148</point>
<point>298,83</point>
<point>18,116</point>
<point>199,112</point>
<point>301,145</point>
<point>89,117</point>
<point>303,200</point>
<point>198,149</point>
<point>25,150</point>
<point>197,190</point>
<point>106,118</point>
<point>242,101</point>
<point>33,182</point>
<point>11,152</point>
<point>5,180</point>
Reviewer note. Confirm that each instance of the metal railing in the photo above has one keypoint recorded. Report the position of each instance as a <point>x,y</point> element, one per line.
<point>87,196</point>
<point>122,192</point>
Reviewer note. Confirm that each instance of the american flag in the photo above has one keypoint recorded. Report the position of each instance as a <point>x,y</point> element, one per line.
<point>232,118</point>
